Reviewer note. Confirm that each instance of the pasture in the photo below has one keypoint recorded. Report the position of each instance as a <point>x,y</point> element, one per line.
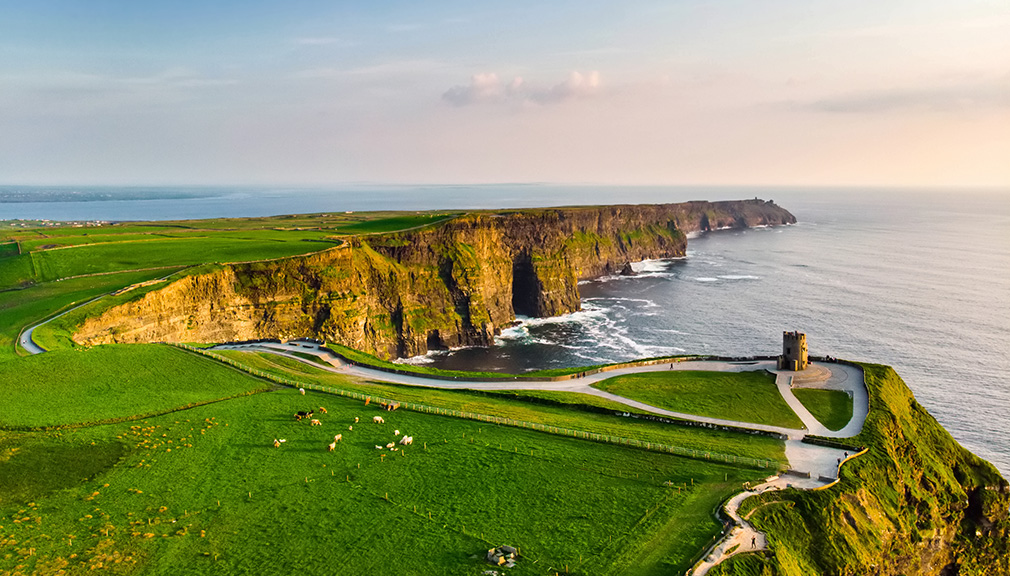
<point>742,396</point>
<point>111,382</point>
<point>574,411</point>
<point>46,254</point>
<point>204,491</point>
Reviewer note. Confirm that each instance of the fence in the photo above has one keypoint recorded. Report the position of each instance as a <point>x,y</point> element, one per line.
<point>561,431</point>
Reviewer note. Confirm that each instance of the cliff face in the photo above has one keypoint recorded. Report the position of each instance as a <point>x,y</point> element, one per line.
<point>402,294</point>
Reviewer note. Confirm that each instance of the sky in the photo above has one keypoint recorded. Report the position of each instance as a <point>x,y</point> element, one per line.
<point>635,92</point>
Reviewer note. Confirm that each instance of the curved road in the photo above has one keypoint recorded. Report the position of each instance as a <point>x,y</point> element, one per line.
<point>810,466</point>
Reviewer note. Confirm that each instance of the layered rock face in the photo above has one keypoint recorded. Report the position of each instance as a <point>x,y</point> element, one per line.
<point>402,294</point>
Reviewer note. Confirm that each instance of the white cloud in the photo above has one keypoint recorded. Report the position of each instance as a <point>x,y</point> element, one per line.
<point>577,85</point>
<point>488,88</point>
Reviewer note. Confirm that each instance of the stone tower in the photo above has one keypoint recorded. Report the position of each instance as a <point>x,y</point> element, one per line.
<point>794,351</point>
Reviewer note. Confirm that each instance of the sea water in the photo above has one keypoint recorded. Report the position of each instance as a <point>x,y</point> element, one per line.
<point>918,279</point>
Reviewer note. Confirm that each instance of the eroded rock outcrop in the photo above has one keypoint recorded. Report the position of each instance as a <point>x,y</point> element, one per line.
<point>402,294</point>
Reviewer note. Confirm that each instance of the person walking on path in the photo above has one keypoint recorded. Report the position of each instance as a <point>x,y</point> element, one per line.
<point>753,541</point>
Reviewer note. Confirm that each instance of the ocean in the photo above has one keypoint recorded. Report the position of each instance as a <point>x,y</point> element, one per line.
<point>918,279</point>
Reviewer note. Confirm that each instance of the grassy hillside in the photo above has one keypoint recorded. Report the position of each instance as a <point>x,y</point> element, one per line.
<point>21,308</point>
<point>915,503</point>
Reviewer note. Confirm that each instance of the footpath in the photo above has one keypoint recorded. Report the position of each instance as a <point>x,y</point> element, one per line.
<point>810,466</point>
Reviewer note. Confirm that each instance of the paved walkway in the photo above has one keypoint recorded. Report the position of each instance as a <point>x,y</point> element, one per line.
<point>810,466</point>
<point>804,458</point>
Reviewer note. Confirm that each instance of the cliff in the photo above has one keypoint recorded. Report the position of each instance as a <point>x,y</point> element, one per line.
<point>402,294</point>
<point>916,503</point>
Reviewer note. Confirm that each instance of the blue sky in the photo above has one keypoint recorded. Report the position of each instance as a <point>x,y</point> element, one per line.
<point>633,92</point>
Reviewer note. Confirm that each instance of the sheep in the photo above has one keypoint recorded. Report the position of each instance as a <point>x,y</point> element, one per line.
<point>333,445</point>
<point>406,440</point>
<point>338,437</point>
<point>378,420</point>
<point>302,391</point>
<point>323,410</point>
<point>355,419</point>
<point>396,432</point>
<point>315,422</point>
<point>300,415</point>
<point>377,447</point>
<point>350,428</point>
<point>277,443</point>
<point>390,445</point>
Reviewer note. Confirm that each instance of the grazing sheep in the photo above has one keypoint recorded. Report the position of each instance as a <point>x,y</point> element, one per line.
<point>390,445</point>
<point>377,447</point>
<point>406,440</point>
<point>302,390</point>
<point>396,432</point>
<point>277,443</point>
<point>355,419</point>
<point>323,410</point>
<point>315,422</point>
<point>333,445</point>
<point>350,428</point>
<point>378,420</point>
<point>338,437</point>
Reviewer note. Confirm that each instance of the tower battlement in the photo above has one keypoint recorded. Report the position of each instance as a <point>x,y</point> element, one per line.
<point>794,351</point>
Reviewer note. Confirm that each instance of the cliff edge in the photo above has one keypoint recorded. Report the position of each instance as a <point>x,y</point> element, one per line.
<point>916,502</point>
<point>400,294</point>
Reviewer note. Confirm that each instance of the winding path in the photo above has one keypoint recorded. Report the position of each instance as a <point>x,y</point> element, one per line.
<point>810,466</point>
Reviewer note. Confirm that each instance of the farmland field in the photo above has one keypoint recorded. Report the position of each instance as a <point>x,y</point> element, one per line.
<point>203,491</point>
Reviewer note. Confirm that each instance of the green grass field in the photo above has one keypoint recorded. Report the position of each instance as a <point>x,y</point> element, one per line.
<point>107,382</point>
<point>54,253</point>
<point>833,408</point>
<point>203,491</point>
<point>743,396</point>
<point>566,410</point>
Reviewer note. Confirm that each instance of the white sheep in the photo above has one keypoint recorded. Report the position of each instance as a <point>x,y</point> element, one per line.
<point>315,422</point>
<point>338,437</point>
<point>333,445</point>
<point>302,390</point>
<point>378,420</point>
<point>323,410</point>
<point>406,440</point>
<point>396,432</point>
<point>390,445</point>
<point>355,419</point>
<point>377,447</point>
<point>350,428</point>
